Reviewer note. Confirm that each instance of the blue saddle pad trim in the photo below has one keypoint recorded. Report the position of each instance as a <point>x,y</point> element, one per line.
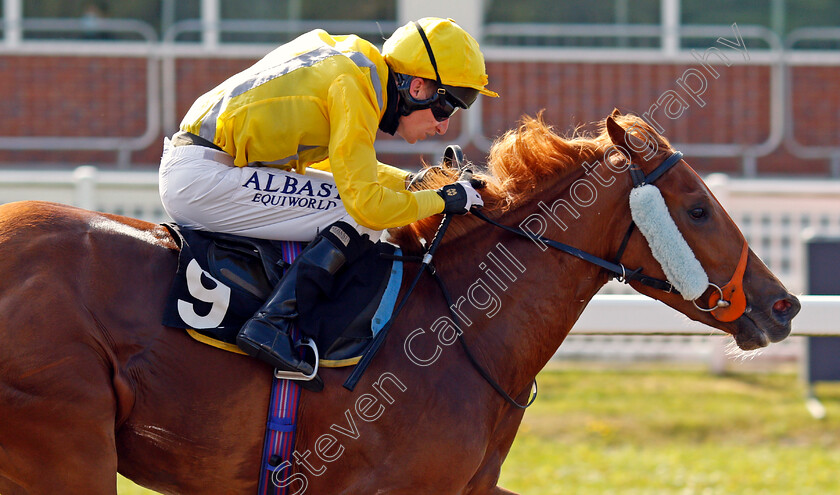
<point>389,297</point>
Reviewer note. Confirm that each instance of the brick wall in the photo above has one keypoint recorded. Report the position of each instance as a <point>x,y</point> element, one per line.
<point>106,97</point>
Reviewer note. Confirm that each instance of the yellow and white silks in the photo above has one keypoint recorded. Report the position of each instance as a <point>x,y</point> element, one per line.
<point>314,102</point>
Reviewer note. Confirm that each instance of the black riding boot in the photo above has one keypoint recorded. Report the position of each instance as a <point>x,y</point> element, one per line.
<point>267,336</point>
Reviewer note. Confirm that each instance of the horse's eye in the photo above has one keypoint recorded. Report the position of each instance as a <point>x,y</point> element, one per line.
<point>697,213</point>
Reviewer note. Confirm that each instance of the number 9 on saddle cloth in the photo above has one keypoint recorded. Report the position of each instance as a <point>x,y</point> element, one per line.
<point>223,279</point>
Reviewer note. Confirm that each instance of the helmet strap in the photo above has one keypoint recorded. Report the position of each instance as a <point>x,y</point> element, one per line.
<point>429,51</point>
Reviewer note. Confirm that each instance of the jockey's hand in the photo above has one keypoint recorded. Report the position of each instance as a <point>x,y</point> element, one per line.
<point>460,197</point>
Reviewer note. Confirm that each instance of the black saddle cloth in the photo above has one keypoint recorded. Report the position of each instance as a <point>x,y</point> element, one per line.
<point>223,279</point>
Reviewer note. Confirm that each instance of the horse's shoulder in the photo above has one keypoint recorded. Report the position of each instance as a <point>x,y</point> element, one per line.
<point>35,219</point>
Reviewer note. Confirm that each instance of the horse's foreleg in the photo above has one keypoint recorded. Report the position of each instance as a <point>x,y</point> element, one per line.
<point>58,408</point>
<point>52,449</point>
<point>485,481</point>
<point>55,444</point>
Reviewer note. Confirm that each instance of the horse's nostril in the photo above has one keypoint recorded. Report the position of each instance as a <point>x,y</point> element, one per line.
<point>781,306</point>
<point>785,309</point>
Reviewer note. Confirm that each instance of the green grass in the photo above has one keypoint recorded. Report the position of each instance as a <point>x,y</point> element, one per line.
<point>670,431</point>
<point>643,431</point>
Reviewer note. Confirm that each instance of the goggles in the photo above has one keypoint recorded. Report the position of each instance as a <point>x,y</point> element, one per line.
<point>446,100</point>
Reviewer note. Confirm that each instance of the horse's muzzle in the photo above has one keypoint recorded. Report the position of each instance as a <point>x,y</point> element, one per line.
<point>763,323</point>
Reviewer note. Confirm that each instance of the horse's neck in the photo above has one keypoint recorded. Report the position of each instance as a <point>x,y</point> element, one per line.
<point>529,299</point>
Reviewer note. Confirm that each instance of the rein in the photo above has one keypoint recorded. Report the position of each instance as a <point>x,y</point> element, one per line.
<point>452,156</point>
<point>481,371</point>
<point>617,270</point>
<point>426,265</point>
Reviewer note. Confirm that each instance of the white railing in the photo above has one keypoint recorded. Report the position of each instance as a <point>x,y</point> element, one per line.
<point>641,315</point>
<point>634,327</point>
<point>134,194</point>
<point>776,216</point>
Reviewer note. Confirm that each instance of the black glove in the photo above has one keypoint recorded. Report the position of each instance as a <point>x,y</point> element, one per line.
<point>460,197</point>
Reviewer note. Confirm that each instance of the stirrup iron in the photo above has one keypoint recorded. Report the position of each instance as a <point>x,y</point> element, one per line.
<point>297,375</point>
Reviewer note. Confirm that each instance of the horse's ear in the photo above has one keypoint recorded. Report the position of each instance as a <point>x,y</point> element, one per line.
<point>629,145</point>
<point>615,113</point>
<point>619,137</point>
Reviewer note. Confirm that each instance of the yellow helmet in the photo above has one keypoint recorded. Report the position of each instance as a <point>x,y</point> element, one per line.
<point>458,58</point>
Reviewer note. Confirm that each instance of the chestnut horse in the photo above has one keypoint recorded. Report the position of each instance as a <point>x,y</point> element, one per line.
<point>92,384</point>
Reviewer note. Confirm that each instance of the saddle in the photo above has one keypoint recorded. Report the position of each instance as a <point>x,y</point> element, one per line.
<point>223,279</point>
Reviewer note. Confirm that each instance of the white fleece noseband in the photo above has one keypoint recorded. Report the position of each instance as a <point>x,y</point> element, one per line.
<point>647,206</point>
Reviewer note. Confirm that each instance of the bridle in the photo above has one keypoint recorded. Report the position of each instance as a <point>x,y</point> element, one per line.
<point>727,303</point>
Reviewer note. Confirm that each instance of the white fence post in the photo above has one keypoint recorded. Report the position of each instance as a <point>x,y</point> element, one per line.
<point>12,14</point>
<point>670,27</point>
<point>210,17</point>
<point>85,178</point>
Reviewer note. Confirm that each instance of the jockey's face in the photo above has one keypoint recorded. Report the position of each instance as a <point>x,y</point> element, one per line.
<point>420,124</point>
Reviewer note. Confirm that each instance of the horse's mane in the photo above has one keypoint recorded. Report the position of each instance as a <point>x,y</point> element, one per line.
<point>525,157</point>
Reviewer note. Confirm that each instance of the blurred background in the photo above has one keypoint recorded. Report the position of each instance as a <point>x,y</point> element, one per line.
<point>90,88</point>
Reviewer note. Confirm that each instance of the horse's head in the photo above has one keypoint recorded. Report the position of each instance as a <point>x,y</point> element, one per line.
<point>688,252</point>
<point>691,241</point>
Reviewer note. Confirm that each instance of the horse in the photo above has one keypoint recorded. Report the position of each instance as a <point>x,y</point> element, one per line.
<point>92,384</point>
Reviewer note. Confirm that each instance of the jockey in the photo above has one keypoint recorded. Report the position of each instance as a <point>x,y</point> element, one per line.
<point>284,150</point>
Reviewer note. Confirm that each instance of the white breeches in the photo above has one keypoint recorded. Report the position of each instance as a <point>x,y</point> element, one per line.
<point>201,189</point>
